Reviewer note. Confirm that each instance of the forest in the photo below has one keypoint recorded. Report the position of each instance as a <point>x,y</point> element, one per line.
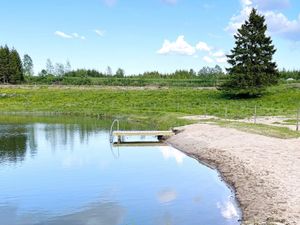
<point>14,70</point>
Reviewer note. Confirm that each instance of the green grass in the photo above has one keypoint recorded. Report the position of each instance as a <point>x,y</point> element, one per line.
<point>266,130</point>
<point>158,107</point>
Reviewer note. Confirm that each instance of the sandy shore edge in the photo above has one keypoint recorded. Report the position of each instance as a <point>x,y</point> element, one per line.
<point>263,171</point>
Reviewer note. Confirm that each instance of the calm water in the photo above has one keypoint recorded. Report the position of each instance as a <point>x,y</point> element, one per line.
<point>60,174</point>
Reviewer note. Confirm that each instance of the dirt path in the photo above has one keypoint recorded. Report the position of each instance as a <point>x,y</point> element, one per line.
<point>264,171</point>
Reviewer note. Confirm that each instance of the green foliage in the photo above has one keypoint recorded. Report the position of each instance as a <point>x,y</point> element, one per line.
<point>267,130</point>
<point>182,78</point>
<point>28,65</point>
<point>252,68</point>
<point>11,69</point>
<point>120,73</point>
<point>69,79</point>
<point>294,74</point>
<point>145,103</point>
<point>15,68</point>
<point>49,67</point>
<point>84,73</point>
<point>4,64</point>
<point>207,71</point>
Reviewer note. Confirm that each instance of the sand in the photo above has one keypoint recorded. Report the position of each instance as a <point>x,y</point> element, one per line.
<point>263,171</point>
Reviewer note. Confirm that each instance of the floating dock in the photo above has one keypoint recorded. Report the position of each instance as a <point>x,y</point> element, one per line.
<point>159,134</point>
<point>122,134</point>
<point>139,144</point>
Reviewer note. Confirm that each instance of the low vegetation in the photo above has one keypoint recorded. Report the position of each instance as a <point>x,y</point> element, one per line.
<point>267,130</point>
<point>146,104</point>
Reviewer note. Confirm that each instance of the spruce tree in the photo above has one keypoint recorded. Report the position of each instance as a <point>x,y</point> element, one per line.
<point>4,64</point>
<point>252,67</point>
<point>15,68</point>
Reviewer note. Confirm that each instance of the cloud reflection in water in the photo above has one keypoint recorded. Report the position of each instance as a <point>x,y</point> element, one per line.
<point>228,209</point>
<point>169,152</point>
<point>94,214</point>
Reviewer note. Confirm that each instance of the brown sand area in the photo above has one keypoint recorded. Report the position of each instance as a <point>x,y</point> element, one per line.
<point>263,171</point>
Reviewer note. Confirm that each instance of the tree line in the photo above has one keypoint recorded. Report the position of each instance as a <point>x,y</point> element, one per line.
<point>13,70</point>
<point>251,67</point>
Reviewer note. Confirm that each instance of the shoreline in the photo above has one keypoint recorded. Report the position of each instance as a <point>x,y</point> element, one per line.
<point>264,172</point>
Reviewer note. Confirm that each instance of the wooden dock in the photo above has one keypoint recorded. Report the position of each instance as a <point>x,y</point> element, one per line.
<point>142,133</point>
<point>159,134</point>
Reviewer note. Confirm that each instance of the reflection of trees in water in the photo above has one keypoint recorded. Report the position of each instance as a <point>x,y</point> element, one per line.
<point>16,140</point>
<point>65,134</point>
<point>19,136</point>
<point>32,139</point>
<point>13,143</point>
<point>95,213</point>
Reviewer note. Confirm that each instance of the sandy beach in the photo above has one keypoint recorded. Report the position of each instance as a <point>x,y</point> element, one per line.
<point>263,171</point>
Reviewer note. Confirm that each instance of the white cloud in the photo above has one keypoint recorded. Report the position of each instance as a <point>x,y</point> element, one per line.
<point>63,35</point>
<point>236,21</point>
<point>75,35</point>
<point>266,5</point>
<point>202,46</point>
<point>221,59</point>
<point>228,209</point>
<point>218,54</point>
<point>180,46</point>
<point>100,33</point>
<point>69,36</point>
<point>278,23</point>
<point>246,2</point>
<point>208,59</point>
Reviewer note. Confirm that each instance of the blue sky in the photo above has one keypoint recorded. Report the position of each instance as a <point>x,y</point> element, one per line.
<point>142,35</point>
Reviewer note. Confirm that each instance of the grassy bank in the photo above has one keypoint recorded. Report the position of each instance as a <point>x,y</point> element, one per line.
<point>151,105</point>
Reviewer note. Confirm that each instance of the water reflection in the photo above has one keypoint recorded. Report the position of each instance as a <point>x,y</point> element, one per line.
<point>169,153</point>
<point>13,143</point>
<point>228,209</point>
<point>93,214</point>
<point>17,140</point>
<point>69,176</point>
<point>167,195</point>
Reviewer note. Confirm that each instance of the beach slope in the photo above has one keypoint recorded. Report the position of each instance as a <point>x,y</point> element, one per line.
<point>263,171</point>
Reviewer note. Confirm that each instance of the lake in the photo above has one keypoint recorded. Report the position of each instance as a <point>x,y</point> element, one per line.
<point>67,173</point>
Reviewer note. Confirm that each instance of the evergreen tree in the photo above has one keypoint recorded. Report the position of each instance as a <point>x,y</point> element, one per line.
<point>4,64</point>
<point>28,65</point>
<point>252,68</point>
<point>120,73</point>
<point>49,67</point>
<point>15,68</point>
